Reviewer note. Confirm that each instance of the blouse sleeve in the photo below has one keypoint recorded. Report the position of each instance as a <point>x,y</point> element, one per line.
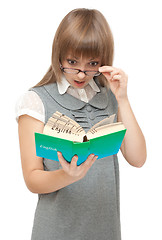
<point>30,103</point>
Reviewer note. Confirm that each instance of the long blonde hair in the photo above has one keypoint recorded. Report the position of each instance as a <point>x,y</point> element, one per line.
<point>82,32</point>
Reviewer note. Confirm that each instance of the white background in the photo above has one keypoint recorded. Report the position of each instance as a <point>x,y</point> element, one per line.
<point>27,31</point>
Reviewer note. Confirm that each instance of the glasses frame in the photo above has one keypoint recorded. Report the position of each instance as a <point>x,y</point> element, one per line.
<point>78,71</point>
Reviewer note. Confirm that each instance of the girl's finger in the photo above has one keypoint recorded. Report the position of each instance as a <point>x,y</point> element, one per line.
<point>115,72</point>
<point>59,154</point>
<point>62,161</point>
<point>116,77</point>
<point>74,160</point>
<point>88,160</point>
<point>94,159</point>
<point>106,69</point>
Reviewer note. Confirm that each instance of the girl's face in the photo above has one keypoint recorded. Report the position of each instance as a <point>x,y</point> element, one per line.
<point>80,79</point>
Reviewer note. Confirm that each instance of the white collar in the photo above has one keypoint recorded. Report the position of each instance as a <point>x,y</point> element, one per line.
<point>64,84</point>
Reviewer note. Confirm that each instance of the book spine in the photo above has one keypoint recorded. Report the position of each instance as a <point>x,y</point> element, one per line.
<point>82,150</point>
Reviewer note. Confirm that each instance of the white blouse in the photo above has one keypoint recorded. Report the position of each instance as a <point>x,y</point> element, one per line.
<point>30,103</point>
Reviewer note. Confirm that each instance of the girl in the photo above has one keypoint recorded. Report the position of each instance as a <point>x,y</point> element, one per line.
<point>78,202</point>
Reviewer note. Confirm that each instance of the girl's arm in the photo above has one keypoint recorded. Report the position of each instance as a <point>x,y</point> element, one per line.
<point>133,147</point>
<point>36,179</point>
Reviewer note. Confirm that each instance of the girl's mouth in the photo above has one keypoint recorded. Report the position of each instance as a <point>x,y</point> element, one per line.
<point>78,83</point>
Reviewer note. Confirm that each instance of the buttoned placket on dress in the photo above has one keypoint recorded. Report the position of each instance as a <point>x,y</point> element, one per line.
<point>82,94</point>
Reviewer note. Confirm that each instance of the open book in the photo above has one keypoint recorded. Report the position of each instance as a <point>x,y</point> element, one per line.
<point>63,134</point>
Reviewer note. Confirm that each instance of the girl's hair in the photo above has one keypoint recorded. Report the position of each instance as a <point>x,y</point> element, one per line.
<point>82,32</point>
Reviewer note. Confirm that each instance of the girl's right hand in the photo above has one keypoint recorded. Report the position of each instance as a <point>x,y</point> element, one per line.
<point>72,169</point>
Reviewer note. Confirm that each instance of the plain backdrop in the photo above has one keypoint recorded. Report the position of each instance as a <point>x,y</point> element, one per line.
<point>27,30</point>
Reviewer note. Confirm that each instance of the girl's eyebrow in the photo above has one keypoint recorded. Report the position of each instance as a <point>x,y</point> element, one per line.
<point>94,59</point>
<point>76,58</point>
<point>72,57</point>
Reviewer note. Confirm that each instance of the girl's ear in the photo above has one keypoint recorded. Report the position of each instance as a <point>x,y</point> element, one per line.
<point>61,67</point>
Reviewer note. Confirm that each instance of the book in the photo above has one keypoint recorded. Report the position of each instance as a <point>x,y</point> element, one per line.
<point>63,134</point>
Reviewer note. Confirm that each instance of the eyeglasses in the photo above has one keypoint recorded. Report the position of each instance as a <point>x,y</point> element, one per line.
<point>76,71</point>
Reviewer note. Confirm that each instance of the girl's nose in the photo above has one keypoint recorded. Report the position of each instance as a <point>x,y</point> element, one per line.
<point>81,75</point>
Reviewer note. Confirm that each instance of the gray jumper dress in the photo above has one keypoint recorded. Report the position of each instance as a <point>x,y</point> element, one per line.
<point>87,209</point>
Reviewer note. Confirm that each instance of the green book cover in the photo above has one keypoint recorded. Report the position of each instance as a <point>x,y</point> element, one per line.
<point>47,146</point>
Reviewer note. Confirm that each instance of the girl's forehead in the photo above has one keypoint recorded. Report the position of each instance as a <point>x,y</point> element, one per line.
<point>82,57</point>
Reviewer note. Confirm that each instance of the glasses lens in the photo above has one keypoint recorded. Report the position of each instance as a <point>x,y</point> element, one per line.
<point>70,70</point>
<point>76,71</point>
<point>92,73</point>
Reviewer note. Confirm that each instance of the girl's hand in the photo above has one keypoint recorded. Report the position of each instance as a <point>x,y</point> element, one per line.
<point>76,171</point>
<point>117,80</point>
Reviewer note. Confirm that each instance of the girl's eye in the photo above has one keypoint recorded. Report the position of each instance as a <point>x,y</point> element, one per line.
<point>93,64</point>
<point>71,62</point>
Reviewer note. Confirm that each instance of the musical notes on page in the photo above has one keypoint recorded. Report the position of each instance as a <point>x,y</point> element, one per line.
<point>63,126</point>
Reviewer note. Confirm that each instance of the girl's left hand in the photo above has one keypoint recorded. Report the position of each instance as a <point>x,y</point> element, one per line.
<point>117,80</point>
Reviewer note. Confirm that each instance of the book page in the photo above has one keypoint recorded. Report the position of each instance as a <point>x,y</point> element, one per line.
<point>103,122</point>
<point>104,130</point>
<point>64,127</point>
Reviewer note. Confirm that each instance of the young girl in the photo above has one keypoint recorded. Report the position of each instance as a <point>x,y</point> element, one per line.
<point>78,202</point>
